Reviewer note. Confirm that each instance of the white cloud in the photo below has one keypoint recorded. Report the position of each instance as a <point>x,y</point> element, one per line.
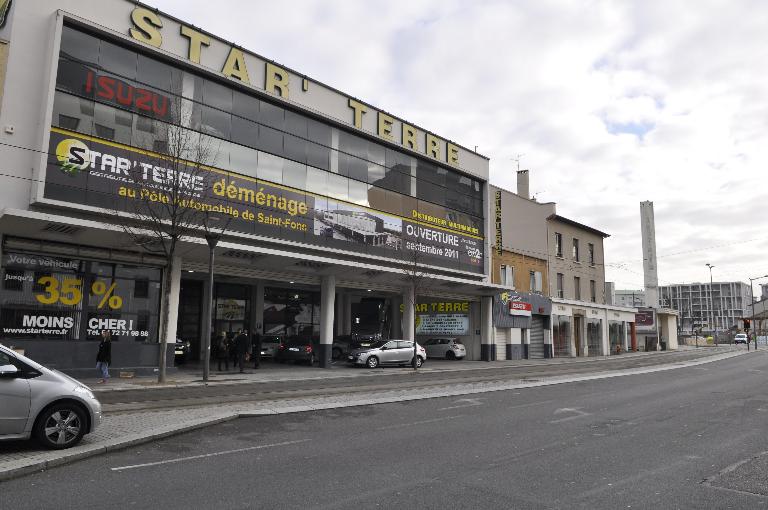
<point>611,103</point>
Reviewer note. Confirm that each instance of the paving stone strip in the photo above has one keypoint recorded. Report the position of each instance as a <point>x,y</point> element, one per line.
<point>130,429</point>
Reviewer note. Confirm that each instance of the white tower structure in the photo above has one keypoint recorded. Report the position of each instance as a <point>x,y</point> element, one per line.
<point>650,267</point>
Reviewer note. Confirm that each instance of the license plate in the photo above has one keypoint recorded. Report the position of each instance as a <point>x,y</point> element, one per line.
<point>263,352</point>
<point>293,348</point>
<point>178,352</point>
<point>350,358</point>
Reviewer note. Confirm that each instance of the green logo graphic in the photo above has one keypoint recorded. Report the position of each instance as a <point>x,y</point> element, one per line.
<point>73,156</point>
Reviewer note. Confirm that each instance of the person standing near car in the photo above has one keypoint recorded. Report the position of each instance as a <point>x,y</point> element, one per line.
<point>242,345</point>
<point>104,356</point>
<point>256,349</point>
<point>222,351</point>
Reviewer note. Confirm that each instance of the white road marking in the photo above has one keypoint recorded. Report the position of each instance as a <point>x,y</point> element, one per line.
<point>577,410</point>
<point>470,402</point>
<point>215,454</point>
<point>401,425</point>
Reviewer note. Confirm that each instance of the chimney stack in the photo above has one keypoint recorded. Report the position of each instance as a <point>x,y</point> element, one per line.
<point>523,188</point>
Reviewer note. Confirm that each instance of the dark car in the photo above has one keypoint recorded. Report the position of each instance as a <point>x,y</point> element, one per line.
<point>342,345</point>
<point>297,349</point>
<point>181,351</point>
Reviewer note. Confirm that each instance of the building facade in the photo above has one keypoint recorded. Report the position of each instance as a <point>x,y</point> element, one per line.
<point>325,202</point>
<point>706,307</point>
<point>633,298</point>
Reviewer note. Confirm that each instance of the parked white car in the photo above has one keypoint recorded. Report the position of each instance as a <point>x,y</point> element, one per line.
<point>740,338</point>
<point>45,404</point>
<point>448,348</point>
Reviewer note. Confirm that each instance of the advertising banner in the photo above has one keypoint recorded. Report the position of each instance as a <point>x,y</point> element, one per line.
<point>453,324</point>
<point>645,320</point>
<point>520,308</point>
<point>98,173</point>
<point>45,297</point>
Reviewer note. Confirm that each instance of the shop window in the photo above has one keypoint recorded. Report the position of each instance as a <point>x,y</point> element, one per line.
<point>561,335</point>
<point>141,289</point>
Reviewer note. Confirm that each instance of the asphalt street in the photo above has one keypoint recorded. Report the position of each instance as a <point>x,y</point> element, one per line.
<point>377,380</point>
<point>687,438</point>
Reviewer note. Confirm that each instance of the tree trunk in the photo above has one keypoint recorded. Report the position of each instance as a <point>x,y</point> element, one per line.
<point>163,340</point>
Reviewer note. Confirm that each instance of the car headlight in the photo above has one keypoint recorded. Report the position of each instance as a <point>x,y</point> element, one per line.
<point>84,391</point>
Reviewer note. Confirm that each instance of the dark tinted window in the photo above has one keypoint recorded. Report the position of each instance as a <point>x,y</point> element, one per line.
<point>217,95</point>
<point>271,115</point>
<point>245,132</point>
<point>245,106</point>
<point>79,46</point>
<point>154,73</point>
<point>118,60</point>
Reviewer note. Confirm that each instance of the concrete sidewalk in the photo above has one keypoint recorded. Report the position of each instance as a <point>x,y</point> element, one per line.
<point>270,371</point>
<point>129,429</point>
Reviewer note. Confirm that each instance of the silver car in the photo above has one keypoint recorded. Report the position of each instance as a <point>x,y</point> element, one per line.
<point>448,348</point>
<point>387,352</point>
<point>45,404</point>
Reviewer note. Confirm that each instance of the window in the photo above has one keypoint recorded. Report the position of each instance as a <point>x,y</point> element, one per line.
<point>13,279</point>
<point>141,289</point>
<point>591,253</point>
<point>592,291</point>
<point>535,281</point>
<point>575,249</point>
<point>560,281</point>
<point>577,288</point>
<point>558,244</point>
<point>507,275</point>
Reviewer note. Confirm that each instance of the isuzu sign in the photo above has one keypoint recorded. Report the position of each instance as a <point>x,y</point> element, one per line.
<point>520,308</point>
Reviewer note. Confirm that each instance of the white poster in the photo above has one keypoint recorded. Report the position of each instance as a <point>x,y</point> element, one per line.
<point>455,324</point>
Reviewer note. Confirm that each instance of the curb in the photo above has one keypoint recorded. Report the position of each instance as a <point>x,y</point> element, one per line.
<point>35,464</point>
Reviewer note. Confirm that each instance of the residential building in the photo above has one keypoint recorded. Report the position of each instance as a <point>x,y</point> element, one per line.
<point>706,307</point>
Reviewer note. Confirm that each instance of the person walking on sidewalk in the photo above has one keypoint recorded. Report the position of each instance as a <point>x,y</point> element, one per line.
<point>104,356</point>
<point>222,351</point>
<point>242,345</point>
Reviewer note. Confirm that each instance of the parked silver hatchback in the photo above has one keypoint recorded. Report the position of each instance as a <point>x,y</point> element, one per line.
<point>387,352</point>
<point>42,403</point>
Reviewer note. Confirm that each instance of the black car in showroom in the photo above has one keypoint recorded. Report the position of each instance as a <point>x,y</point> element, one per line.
<point>297,349</point>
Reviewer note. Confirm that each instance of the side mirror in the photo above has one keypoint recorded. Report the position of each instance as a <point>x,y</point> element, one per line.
<point>9,371</point>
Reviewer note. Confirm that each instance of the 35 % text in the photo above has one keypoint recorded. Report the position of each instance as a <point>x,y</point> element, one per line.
<point>69,291</point>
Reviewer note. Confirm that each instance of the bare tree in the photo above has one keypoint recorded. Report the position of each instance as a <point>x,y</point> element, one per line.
<point>166,200</point>
<point>415,276</point>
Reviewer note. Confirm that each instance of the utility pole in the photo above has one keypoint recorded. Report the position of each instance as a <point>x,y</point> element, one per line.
<point>712,300</point>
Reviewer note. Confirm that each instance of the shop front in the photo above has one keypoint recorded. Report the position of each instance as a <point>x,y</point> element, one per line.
<point>590,329</point>
<point>521,322</point>
<point>56,306</point>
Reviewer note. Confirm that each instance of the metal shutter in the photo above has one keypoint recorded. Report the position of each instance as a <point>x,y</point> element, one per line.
<point>502,339</point>
<point>536,347</point>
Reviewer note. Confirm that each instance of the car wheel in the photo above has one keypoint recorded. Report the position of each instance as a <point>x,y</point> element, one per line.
<point>311,360</point>
<point>419,361</point>
<point>336,353</point>
<point>60,426</point>
<point>372,362</point>
<point>450,355</point>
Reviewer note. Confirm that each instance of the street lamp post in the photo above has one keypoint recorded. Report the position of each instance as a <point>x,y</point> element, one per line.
<point>213,232</point>
<point>752,296</point>
<point>712,300</point>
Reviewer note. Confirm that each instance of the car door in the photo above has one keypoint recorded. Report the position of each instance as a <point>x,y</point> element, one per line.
<point>388,352</point>
<point>432,346</point>
<point>404,352</point>
<point>15,399</point>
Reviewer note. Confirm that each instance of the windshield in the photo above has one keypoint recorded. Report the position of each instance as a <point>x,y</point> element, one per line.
<point>377,344</point>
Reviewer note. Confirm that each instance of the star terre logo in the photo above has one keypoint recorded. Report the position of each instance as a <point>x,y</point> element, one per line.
<point>73,156</point>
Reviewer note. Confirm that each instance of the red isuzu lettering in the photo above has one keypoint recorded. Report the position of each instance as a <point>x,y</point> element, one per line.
<point>112,89</point>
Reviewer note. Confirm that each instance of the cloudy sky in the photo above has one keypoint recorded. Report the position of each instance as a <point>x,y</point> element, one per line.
<point>608,102</point>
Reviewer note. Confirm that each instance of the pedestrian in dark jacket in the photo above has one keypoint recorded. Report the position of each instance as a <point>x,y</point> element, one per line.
<point>242,345</point>
<point>104,356</point>
<point>222,351</point>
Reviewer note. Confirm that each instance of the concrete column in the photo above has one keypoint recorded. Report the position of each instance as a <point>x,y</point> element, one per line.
<point>327,303</point>
<point>409,315</point>
<point>571,337</point>
<point>346,327</point>
<point>487,344</point>
<point>395,318</point>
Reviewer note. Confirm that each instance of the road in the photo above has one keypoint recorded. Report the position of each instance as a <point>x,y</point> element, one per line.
<point>687,438</point>
<point>377,380</point>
